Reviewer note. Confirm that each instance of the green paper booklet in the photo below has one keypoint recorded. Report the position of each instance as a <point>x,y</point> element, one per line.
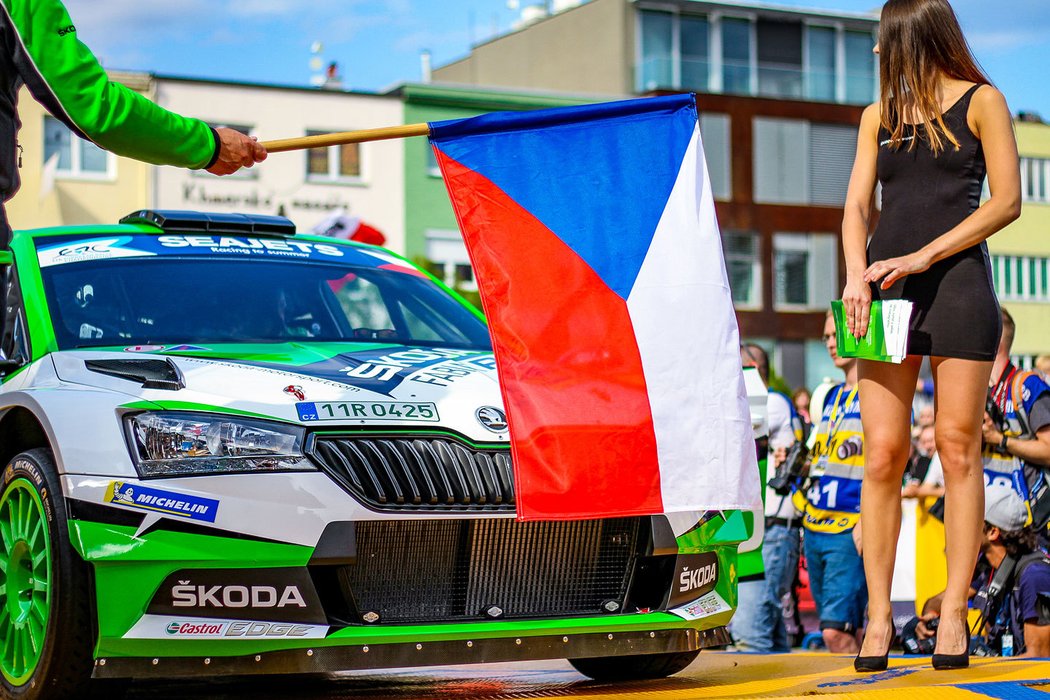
<point>887,336</point>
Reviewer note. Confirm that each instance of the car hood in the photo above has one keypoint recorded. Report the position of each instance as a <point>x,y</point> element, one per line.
<point>282,380</point>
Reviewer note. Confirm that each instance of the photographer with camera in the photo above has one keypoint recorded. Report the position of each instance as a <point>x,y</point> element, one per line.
<point>1011,586</point>
<point>758,624</point>
<point>830,504</point>
<point>1016,430</point>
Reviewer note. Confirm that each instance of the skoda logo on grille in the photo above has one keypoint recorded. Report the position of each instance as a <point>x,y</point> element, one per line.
<point>492,418</point>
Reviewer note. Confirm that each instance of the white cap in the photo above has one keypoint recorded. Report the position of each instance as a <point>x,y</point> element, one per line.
<point>1005,507</point>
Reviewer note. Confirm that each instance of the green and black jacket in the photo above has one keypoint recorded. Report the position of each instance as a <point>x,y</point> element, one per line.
<point>39,48</point>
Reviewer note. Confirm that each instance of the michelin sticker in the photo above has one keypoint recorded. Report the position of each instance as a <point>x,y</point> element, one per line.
<point>710,604</point>
<point>165,502</point>
<point>89,249</point>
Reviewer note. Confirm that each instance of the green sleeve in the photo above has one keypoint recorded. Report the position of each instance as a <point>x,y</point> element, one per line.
<point>64,76</point>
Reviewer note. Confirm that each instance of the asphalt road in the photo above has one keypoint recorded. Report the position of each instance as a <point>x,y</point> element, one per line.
<point>712,675</point>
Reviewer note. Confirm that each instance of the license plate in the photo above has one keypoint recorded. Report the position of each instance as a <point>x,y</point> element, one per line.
<point>367,410</point>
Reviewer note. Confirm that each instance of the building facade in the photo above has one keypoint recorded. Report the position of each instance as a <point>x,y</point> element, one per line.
<point>780,92</point>
<point>66,180</point>
<point>1021,252</point>
<point>362,180</point>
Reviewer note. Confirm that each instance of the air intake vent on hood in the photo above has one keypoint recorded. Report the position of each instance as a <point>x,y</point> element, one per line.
<point>152,374</point>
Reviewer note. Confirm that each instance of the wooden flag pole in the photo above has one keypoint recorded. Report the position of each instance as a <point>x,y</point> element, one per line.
<point>336,139</point>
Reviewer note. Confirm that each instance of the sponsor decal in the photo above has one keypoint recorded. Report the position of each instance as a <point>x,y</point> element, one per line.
<point>695,575</point>
<point>368,410</point>
<point>275,594</point>
<point>88,249</point>
<point>705,606</point>
<point>166,627</point>
<point>70,29</point>
<point>188,348</point>
<point>492,419</point>
<point>75,249</point>
<point>161,501</point>
<point>383,371</point>
<point>143,348</point>
<point>296,391</point>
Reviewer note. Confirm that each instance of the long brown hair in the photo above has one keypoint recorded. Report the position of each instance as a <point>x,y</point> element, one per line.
<point>918,41</point>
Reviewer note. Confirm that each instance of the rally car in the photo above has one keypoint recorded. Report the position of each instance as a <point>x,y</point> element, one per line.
<point>233,449</point>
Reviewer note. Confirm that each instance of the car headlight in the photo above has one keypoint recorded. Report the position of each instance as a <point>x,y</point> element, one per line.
<point>188,444</point>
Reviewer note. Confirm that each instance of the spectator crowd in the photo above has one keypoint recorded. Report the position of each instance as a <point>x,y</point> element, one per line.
<point>813,519</point>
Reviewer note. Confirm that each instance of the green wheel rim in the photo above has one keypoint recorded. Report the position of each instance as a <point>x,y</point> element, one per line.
<point>25,581</point>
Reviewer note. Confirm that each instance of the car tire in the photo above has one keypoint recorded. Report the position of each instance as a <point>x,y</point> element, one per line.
<point>45,589</point>
<point>638,667</point>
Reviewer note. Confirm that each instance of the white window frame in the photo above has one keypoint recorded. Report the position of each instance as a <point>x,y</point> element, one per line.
<point>333,177</point>
<point>241,174</point>
<point>1023,285</point>
<point>452,240</point>
<point>1041,169</point>
<point>811,304</point>
<point>74,172</point>
<point>754,302</point>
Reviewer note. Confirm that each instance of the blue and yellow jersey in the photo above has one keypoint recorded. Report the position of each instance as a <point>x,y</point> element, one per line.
<point>832,501</point>
<point>1004,468</point>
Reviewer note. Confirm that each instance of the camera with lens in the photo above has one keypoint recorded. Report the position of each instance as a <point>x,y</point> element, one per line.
<point>910,638</point>
<point>994,412</point>
<point>791,469</point>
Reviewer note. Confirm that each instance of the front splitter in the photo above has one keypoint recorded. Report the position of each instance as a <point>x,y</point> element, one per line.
<point>332,659</point>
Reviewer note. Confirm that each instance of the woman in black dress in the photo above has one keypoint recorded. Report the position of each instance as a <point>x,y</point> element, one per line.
<point>937,129</point>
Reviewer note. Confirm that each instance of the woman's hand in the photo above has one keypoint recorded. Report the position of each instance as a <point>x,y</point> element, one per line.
<point>856,299</point>
<point>893,269</point>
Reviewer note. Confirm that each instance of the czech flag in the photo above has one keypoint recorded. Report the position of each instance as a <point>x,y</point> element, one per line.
<point>594,243</point>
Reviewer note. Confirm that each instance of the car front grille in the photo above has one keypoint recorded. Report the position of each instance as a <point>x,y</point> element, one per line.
<point>418,473</point>
<point>459,570</point>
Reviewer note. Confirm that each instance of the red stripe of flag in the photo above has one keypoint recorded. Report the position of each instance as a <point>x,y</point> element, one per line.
<point>582,435</point>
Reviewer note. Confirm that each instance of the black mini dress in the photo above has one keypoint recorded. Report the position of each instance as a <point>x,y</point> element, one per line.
<point>955,312</point>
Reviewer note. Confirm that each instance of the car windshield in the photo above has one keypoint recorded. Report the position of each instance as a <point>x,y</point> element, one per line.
<point>163,300</point>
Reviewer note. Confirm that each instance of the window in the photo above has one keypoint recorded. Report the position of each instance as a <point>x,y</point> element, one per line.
<point>805,271</point>
<point>1035,179</point>
<point>753,53</point>
<point>694,32</point>
<point>860,67</point>
<point>656,69</point>
<point>736,56</point>
<point>76,157</point>
<point>820,63</point>
<point>334,163</point>
<point>781,157</point>
<point>832,148</point>
<point>714,131</point>
<point>451,264</point>
<point>1021,278</point>
<point>800,162</point>
<point>742,252</point>
<point>674,51</point>
<point>433,169</point>
<point>243,173</point>
<point>779,58</point>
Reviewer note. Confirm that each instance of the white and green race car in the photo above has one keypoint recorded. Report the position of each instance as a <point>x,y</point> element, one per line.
<point>232,449</point>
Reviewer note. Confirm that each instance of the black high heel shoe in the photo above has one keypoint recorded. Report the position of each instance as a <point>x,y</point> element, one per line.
<point>947,662</point>
<point>873,664</point>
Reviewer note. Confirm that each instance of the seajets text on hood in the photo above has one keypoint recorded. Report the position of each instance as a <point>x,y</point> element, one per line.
<point>230,244</point>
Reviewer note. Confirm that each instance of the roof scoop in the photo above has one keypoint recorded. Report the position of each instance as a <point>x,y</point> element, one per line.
<point>151,374</point>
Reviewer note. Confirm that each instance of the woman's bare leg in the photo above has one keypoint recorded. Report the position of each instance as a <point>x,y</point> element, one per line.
<point>961,387</point>
<point>886,393</point>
